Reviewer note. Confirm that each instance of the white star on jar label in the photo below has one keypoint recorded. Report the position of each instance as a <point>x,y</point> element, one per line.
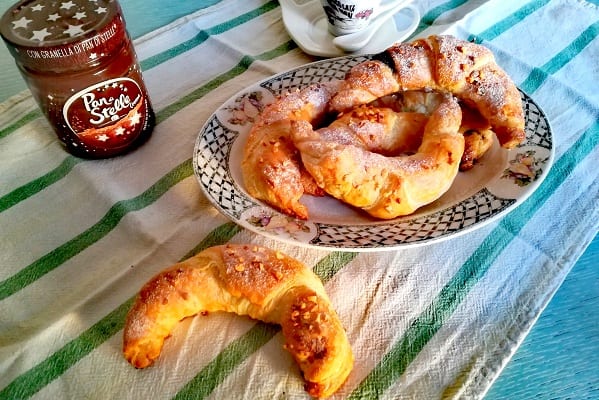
<point>40,35</point>
<point>53,17</point>
<point>100,10</point>
<point>68,5</point>
<point>79,15</point>
<point>103,137</point>
<point>120,131</point>
<point>21,23</point>
<point>37,7</point>
<point>74,30</point>
<point>135,118</point>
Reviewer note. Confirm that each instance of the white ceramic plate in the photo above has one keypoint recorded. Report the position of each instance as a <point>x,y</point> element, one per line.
<point>498,183</point>
<point>306,23</point>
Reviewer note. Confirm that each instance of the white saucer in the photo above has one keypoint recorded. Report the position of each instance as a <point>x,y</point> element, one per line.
<point>307,25</point>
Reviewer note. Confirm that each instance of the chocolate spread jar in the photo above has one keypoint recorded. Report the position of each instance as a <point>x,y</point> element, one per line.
<point>79,63</point>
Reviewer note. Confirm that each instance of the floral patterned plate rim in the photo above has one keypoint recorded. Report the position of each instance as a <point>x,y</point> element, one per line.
<point>497,184</point>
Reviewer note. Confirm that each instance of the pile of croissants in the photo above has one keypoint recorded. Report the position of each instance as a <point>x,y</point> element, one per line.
<point>403,124</point>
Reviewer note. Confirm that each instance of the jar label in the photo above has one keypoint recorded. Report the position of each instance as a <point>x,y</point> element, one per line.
<point>109,114</point>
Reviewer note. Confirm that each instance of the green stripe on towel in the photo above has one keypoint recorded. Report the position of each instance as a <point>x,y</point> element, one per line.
<point>508,22</point>
<point>38,184</point>
<point>30,116</point>
<point>240,68</point>
<point>203,35</point>
<point>539,75</point>
<point>107,223</point>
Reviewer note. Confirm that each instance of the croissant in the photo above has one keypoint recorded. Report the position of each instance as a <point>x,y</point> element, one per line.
<point>445,64</point>
<point>247,280</point>
<point>386,187</point>
<point>271,168</point>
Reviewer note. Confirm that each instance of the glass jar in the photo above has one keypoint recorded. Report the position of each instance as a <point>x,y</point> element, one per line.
<point>80,65</point>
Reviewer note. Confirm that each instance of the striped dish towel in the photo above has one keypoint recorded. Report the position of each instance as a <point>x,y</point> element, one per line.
<point>79,238</point>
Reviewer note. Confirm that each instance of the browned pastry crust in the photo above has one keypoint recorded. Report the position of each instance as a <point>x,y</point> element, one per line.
<point>247,280</point>
<point>445,64</point>
<point>476,144</point>
<point>385,187</point>
<point>379,129</point>
<point>271,167</point>
<point>478,136</point>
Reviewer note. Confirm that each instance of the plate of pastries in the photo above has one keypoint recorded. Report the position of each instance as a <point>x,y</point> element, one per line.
<point>422,142</point>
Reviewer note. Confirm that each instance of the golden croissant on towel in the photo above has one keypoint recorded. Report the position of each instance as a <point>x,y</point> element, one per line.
<point>247,280</point>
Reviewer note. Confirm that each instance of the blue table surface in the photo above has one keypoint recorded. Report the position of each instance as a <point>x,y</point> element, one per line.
<point>559,358</point>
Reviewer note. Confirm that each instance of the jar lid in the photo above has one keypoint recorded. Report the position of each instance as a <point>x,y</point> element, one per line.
<point>45,35</point>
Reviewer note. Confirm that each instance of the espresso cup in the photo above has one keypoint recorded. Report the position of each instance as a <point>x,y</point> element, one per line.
<point>349,16</point>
